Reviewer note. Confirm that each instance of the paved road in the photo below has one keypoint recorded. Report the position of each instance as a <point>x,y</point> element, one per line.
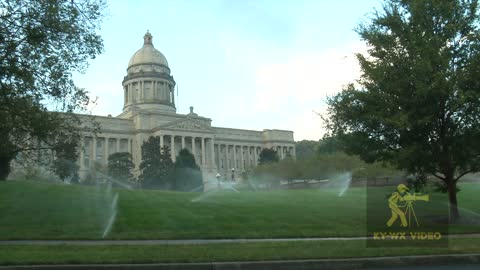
<point>188,241</point>
<point>419,262</point>
<point>433,267</point>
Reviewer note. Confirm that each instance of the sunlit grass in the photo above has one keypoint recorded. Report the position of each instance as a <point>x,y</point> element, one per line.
<point>30,210</point>
<point>71,254</point>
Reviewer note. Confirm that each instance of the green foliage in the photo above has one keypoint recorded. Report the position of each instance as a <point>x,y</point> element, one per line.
<point>305,149</point>
<point>120,166</point>
<point>271,172</point>
<point>417,183</point>
<point>328,145</point>
<point>65,168</point>
<point>187,174</point>
<point>65,164</point>
<point>42,44</point>
<point>185,159</point>
<point>442,187</point>
<point>321,166</point>
<point>268,155</point>
<point>418,103</point>
<point>33,172</point>
<point>266,176</point>
<point>156,166</point>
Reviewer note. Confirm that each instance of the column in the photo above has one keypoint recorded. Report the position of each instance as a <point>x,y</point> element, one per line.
<point>130,146</point>
<point>212,151</point>
<point>242,159</point>
<point>127,89</point>
<point>193,147</point>
<point>82,149</point>
<point>118,145</point>
<point>161,141</point>
<point>130,93</point>
<point>203,151</point>
<point>154,89</point>
<point>183,142</point>
<point>172,143</point>
<point>94,149</point>
<point>106,149</point>
<point>173,95</point>
<point>256,156</point>
<point>226,157</point>
<point>234,156</point>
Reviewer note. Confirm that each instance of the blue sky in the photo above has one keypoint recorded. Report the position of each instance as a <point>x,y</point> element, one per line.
<point>251,64</point>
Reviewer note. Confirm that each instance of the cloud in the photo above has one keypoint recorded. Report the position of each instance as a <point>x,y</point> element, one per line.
<point>306,76</point>
<point>308,125</point>
<point>295,88</point>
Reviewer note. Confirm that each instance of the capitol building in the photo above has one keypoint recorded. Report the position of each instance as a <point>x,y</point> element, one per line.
<point>149,110</point>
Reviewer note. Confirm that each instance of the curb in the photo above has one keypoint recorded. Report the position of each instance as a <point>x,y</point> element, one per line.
<point>196,241</point>
<point>338,264</point>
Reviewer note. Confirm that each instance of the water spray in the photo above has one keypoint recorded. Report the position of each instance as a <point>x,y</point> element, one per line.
<point>113,215</point>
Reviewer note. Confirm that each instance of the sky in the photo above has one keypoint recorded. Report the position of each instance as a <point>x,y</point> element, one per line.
<point>249,64</point>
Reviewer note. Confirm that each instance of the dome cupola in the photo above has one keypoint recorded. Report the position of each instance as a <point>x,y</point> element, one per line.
<point>147,54</point>
<point>148,85</point>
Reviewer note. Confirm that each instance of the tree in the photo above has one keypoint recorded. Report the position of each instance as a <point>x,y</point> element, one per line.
<point>65,163</point>
<point>417,104</point>
<point>120,166</point>
<point>267,155</point>
<point>42,44</point>
<point>289,169</point>
<point>156,166</point>
<point>188,176</point>
<point>328,145</point>
<point>305,149</point>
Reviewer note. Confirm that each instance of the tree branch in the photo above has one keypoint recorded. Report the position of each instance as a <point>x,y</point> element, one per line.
<point>462,174</point>
<point>438,176</point>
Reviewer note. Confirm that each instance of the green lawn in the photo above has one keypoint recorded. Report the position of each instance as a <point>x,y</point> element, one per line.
<point>31,210</point>
<point>71,254</point>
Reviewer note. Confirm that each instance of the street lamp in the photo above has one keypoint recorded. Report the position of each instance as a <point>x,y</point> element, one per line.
<point>218,179</point>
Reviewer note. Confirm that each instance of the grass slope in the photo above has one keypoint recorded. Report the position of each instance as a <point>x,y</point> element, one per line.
<point>71,254</point>
<point>30,210</point>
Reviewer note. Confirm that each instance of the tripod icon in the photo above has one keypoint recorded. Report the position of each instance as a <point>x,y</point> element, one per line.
<point>409,212</point>
<point>405,212</point>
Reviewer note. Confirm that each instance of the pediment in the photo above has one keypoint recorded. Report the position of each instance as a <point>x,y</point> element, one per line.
<point>188,125</point>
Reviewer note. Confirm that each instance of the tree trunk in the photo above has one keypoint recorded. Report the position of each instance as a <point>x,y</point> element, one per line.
<point>452,199</point>
<point>4,167</point>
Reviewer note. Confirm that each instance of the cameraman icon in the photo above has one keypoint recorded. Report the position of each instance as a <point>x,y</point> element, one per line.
<point>403,196</point>
<point>393,205</point>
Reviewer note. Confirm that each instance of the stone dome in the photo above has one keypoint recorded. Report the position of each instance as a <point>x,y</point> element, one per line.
<point>147,55</point>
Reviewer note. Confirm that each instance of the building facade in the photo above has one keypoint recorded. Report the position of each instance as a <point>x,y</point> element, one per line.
<point>149,110</point>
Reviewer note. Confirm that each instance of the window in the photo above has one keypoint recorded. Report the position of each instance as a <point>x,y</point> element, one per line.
<point>86,162</point>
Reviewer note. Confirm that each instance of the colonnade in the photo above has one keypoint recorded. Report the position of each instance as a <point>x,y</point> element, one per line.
<point>200,147</point>
<point>244,156</point>
<point>99,148</point>
<point>219,156</point>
